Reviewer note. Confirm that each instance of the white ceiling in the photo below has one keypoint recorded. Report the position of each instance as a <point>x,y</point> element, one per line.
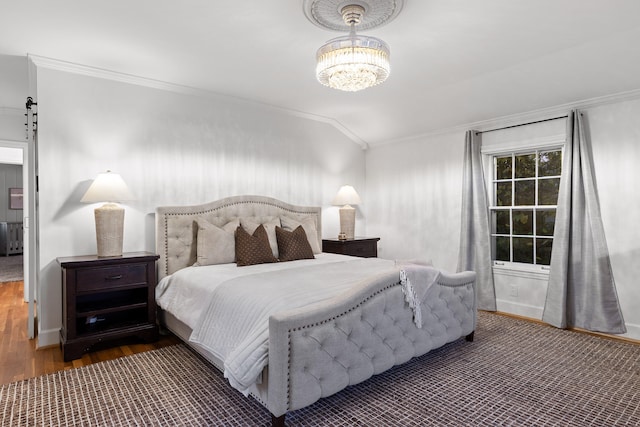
<point>454,62</point>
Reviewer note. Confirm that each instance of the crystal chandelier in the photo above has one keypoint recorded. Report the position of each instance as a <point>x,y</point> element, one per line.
<point>354,62</point>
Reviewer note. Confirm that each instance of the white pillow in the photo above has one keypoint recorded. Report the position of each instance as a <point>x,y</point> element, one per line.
<point>216,245</point>
<point>251,223</point>
<point>309,226</point>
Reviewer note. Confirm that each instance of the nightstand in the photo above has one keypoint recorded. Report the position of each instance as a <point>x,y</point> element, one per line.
<point>365,247</point>
<point>107,299</point>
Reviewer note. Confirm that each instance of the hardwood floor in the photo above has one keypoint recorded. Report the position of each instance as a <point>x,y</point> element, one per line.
<point>19,358</point>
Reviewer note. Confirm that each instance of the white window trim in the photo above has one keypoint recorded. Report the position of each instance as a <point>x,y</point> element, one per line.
<point>525,145</point>
<point>527,271</point>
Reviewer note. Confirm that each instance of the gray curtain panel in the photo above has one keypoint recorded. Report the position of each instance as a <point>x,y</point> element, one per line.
<point>581,291</point>
<point>475,241</point>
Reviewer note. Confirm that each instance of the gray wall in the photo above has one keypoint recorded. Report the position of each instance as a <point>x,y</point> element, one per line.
<point>414,198</point>
<point>13,95</point>
<point>171,148</point>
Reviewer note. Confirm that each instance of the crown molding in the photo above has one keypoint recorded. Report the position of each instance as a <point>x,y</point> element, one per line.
<point>523,118</point>
<point>85,70</point>
<point>481,126</point>
<point>551,112</point>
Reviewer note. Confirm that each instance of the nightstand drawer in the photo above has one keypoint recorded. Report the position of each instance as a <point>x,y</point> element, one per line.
<point>363,249</point>
<point>92,279</point>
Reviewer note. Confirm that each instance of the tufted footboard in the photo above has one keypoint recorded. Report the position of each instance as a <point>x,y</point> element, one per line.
<point>317,351</point>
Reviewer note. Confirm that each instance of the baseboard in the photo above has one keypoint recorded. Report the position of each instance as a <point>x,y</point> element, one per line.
<point>519,317</point>
<point>519,309</point>
<point>633,330</point>
<point>48,338</point>
<point>632,334</point>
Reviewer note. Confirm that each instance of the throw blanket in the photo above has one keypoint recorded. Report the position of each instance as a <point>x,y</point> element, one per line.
<point>416,279</point>
<point>235,325</point>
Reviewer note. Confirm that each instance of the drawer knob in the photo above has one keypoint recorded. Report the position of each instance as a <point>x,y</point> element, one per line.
<point>117,277</point>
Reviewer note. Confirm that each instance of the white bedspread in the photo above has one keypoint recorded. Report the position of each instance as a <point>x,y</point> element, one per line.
<point>186,293</point>
<point>232,321</point>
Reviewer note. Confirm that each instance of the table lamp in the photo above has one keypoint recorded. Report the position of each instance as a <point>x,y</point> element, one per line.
<point>108,187</point>
<point>346,197</point>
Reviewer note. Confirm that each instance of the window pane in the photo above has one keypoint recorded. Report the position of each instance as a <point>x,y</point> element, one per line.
<point>543,251</point>
<point>502,249</point>
<point>526,188</point>
<point>545,221</point>
<point>548,191</point>
<point>523,250</point>
<point>503,194</point>
<point>501,222</point>
<point>550,163</point>
<point>503,167</point>
<point>523,222</point>
<point>526,166</point>
<point>525,193</point>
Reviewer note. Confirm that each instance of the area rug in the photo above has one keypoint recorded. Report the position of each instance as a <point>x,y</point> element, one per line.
<point>515,373</point>
<point>11,269</point>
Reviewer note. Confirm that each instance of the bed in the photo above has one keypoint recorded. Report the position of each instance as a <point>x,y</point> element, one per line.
<point>318,338</point>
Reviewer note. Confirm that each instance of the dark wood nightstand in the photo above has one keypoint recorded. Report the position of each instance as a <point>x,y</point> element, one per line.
<point>365,247</point>
<point>106,299</point>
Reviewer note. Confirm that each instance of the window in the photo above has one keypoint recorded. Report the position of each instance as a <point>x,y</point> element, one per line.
<point>523,212</point>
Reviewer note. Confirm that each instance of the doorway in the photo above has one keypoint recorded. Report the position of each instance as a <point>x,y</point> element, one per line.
<point>13,153</point>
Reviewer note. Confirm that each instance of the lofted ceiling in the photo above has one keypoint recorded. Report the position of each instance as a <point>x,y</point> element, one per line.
<point>454,62</point>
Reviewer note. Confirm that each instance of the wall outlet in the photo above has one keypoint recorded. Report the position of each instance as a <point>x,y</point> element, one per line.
<point>513,291</point>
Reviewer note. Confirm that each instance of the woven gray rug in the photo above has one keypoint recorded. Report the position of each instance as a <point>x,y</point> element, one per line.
<point>11,268</point>
<point>515,373</point>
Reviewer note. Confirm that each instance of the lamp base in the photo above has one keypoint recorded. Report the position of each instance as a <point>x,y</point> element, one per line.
<point>109,229</point>
<point>347,221</point>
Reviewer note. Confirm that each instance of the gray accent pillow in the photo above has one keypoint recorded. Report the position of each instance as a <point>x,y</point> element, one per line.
<point>216,244</point>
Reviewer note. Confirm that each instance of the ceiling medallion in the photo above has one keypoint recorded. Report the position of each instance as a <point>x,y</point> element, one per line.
<point>353,62</point>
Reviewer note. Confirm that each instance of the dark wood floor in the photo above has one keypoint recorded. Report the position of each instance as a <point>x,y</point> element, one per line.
<point>19,358</point>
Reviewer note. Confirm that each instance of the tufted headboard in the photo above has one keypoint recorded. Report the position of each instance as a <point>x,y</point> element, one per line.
<point>176,227</point>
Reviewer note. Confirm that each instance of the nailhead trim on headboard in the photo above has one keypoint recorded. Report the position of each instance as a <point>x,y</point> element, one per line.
<point>163,237</point>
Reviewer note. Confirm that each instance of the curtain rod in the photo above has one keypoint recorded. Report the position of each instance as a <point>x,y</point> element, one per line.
<point>524,124</point>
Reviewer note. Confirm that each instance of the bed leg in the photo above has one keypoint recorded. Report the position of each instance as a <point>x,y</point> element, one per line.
<point>277,421</point>
<point>469,337</point>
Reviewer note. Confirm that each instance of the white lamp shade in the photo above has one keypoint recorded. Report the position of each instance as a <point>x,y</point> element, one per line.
<point>107,187</point>
<point>347,195</point>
